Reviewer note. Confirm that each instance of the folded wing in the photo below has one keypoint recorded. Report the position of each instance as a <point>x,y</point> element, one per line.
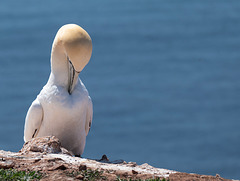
<point>33,120</point>
<point>89,116</point>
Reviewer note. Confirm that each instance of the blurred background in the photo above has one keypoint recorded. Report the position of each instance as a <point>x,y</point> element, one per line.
<point>163,77</point>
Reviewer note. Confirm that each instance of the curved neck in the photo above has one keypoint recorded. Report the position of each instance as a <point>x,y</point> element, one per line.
<point>61,69</point>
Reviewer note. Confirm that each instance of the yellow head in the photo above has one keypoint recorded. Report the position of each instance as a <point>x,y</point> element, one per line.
<point>76,44</point>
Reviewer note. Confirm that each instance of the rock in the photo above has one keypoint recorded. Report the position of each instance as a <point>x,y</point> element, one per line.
<point>6,164</point>
<point>104,158</point>
<point>80,177</point>
<point>48,144</point>
<point>58,167</point>
<point>82,167</point>
<point>134,172</point>
<point>197,177</point>
<point>56,163</point>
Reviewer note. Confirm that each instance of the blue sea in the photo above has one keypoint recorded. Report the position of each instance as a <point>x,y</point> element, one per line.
<point>164,78</point>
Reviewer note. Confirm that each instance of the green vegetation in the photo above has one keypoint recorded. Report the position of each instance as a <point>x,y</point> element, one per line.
<point>154,179</point>
<point>14,175</point>
<point>88,175</point>
<point>92,175</point>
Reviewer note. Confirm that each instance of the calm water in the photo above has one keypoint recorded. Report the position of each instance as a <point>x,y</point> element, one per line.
<point>164,78</point>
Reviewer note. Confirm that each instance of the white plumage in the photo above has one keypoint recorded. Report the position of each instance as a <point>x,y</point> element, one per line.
<point>63,108</point>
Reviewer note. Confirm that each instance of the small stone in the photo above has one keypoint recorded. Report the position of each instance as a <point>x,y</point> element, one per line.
<point>104,158</point>
<point>132,164</point>
<point>58,167</point>
<point>36,149</point>
<point>134,172</point>
<point>54,146</point>
<point>80,177</point>
<point>37,160</point>
<point>125,174</point>
<point>7,164</point>
<point>82,167</point>
<point>65,151</point>
<point>61,167</point>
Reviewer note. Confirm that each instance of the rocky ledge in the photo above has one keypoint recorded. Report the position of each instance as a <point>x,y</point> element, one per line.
<point>45,155</point>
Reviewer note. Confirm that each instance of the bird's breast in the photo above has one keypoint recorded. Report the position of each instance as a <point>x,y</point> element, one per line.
<point>64,114</point>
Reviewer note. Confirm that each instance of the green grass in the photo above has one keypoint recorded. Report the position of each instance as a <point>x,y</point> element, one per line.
<point>88,175</point>
<point>92,175</point>
<point>14,175</point>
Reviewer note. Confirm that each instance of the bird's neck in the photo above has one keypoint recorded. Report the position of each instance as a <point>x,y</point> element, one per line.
<point>60,69</point>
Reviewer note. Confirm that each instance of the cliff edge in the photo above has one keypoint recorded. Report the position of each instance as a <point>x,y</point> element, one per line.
<point>46,156</point>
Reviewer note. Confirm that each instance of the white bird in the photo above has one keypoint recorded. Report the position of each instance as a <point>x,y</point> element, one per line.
<point>63,108</point>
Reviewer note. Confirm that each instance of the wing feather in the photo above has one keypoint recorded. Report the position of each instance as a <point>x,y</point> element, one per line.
<point>89,116</point>
<point>33,120</point>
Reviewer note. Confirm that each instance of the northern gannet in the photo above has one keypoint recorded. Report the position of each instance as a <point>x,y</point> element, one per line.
<point>63,108</point>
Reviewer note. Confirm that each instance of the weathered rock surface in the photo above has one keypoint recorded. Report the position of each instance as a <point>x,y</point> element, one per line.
<point>48,144</point>
<point>47,156</point>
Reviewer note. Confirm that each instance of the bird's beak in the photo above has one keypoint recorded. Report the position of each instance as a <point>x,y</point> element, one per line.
<point>72,75</point>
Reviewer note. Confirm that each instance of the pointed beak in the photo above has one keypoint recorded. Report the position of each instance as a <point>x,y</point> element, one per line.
<point>72,75</point>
